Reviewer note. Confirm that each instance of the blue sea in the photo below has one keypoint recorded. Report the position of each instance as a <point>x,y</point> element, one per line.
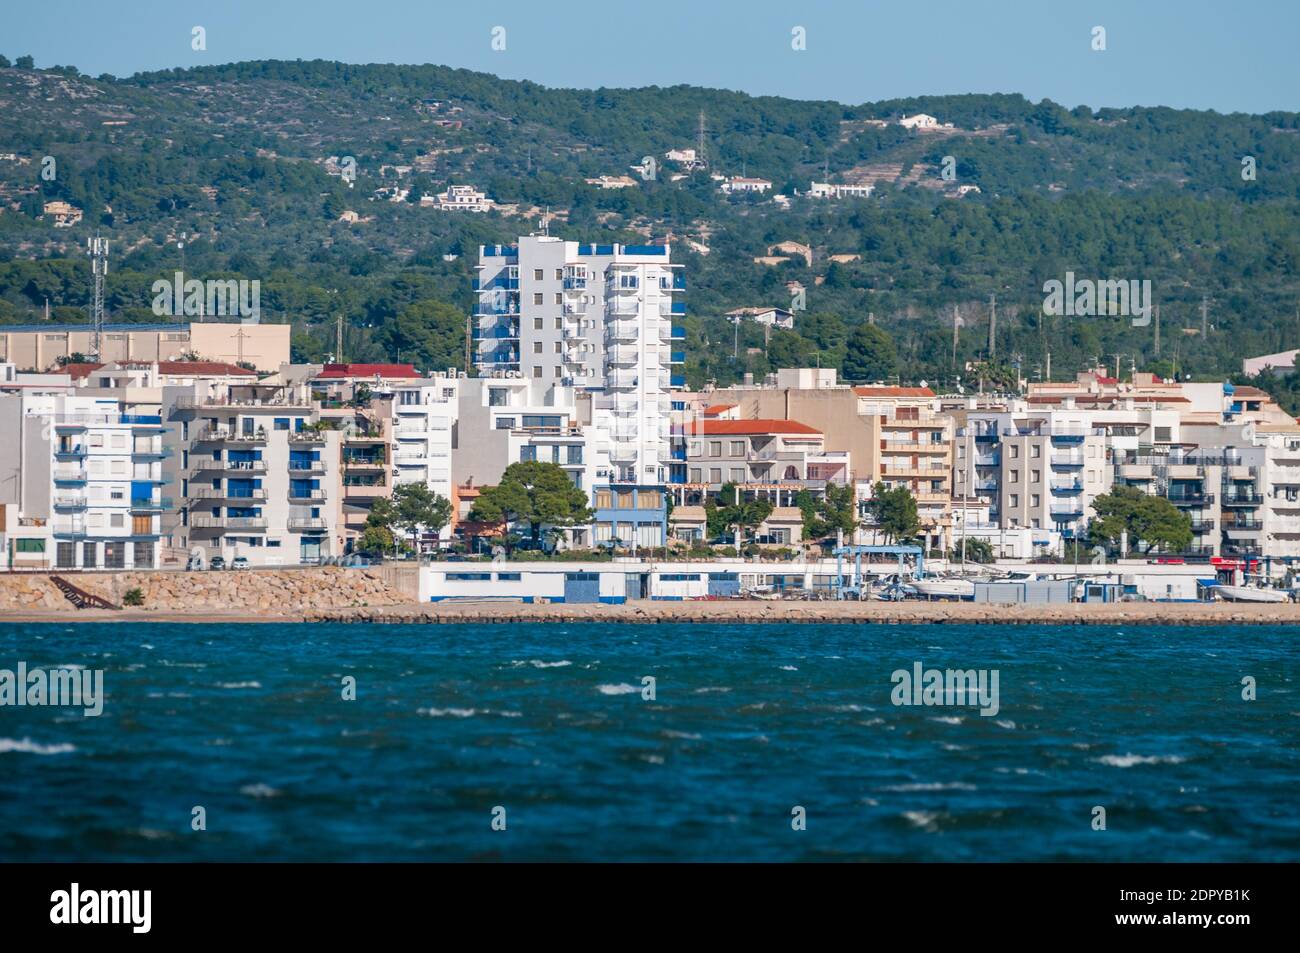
<point>547,729</point>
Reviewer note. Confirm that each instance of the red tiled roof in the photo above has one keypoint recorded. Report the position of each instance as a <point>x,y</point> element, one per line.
<point>893,392</point>
<point>78,371</point>
<point>714,409</point>
<point>743,427</point>
<point>203,368</point>
<point>368,370</point>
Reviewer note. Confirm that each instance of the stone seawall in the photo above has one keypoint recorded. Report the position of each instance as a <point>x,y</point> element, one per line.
<point>262,591</point>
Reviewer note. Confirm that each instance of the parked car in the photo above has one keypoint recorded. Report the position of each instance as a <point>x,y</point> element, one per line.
<point>217,562</point>
<point>239,562</point>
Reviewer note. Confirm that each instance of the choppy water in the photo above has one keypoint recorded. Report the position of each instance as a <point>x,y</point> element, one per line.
<point>549,722</point>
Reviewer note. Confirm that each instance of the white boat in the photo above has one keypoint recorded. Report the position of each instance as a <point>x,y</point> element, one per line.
<point>1251,594</point>
<point>941,588</point>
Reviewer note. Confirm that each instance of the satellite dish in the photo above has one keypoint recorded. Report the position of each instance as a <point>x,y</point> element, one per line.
<point>924,384</point>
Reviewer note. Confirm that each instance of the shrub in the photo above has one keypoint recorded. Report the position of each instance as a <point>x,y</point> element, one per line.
<point>133,597</point>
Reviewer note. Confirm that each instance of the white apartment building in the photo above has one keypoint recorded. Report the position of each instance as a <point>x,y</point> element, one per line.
<point>595,318</point>
<point>84,481</point>
<point>424,417</point>
<point>258,477</point>
<point>1039,469</point>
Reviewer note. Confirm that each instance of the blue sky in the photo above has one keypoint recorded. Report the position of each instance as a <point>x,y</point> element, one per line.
<point>1199,54</point>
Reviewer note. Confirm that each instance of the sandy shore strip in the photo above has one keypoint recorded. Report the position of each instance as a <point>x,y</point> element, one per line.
<point>721,612</point>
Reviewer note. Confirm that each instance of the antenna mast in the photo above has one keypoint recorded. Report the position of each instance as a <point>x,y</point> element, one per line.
<point>97,248</point>
<point>993,327</point>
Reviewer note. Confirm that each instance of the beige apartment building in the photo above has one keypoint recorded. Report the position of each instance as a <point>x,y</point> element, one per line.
<point>38,347</point>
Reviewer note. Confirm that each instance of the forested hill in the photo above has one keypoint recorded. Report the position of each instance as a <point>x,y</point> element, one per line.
<point>233,157</point>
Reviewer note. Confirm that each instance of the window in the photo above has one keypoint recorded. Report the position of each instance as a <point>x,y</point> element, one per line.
<point>604,499</point>
<point>559,299</point>
<point>527,453</point>
<point>282,423</point>
<point>537,274</point>
<point>737,448</point>
<point>1015,499</point>
<point>559,347</point>
<point>737,474</point>
<point>559,274</point>
<point>537,372</point>
<point>559,371</point>
<point>715,448</point>
<point>1035,476</point>
<point>1015,476</point>
<point>537,324</point>
<point>715,475</point>
<point>509,577</point>
<point>505,423</point>
<point>1035,500</point>
<point>498,397</point>
<point>1035,451</point>
<point>559,324</point>
<point>29,545</point>
<point>1015,451</point>
<point>537,297</point>
<point>537,347</point>
<point>469,577</point>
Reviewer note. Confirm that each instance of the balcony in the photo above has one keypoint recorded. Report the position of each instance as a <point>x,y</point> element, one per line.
<point>1231,498</point>
<point>203,465</point>
<point>1067,461</point>
<point>1067,486</point>
<point>307,437</point>
<point>306,496</point>
<point>1191,499</point>
<point>1068,510</point>
<point>986,486</point>
<point>214,493</point>
<point>307,467</point>
<point>1243,525</point>
<point>229,523</point>
<point>69,527</point>
<point>622,330</point>
<point>145,504</point>
<point>992,459</point>
<point>227,435</point>
<point>70,501</point>
<point>1136,471</point>
<point>1201,527</point>
<point>69,474</point>
<point>304,524</point>
<point>70,452</point>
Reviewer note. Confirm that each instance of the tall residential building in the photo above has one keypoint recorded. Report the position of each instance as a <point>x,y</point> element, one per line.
<point>85,480</point>
<point>593,318</point>
<point>1037,469</point>
<point>424,417</point>
<point>259,476</point>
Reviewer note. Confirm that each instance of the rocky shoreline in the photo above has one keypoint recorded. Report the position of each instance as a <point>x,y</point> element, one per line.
<point>728,612</point>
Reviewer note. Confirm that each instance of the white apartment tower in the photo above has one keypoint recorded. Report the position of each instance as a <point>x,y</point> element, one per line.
<point>590,317</point>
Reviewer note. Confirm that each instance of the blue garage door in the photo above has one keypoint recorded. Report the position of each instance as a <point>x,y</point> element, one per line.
<point>581,587</point>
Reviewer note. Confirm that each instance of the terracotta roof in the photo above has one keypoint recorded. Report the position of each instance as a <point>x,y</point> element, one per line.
<point>714,409</point>
<point>368,370</point>
<point>742,427</point>
<point>78,371</point>
<point>203,368</point>
<point>893,392</point>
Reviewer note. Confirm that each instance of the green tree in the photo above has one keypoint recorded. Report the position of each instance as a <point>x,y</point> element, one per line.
<point>893,511</point>
<point>375,539</point>
<point>976,551</point>
<point>416,507</point>
<point>870,354</point>
<point>1151,522</point>
<point>429,333</point>
<point>536,493</point>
